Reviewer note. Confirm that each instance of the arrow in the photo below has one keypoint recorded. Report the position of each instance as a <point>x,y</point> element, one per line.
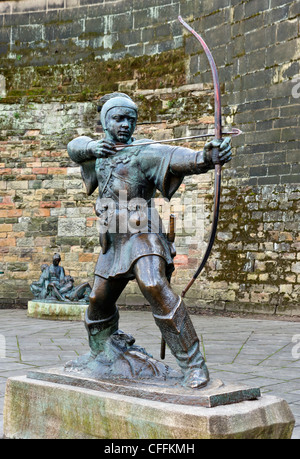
<point>119,146</point>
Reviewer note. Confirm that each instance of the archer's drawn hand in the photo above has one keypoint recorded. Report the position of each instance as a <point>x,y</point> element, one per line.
<point>104,148</point>
<point>218,151</point>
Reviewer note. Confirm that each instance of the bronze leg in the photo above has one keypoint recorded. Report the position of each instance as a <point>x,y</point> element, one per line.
<point>102,317</point>
<point>173,320</point>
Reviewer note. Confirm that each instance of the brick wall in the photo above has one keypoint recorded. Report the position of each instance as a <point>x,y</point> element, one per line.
<point>58,56</point>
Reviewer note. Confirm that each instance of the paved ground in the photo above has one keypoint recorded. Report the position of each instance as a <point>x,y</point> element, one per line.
<point>264,353</point>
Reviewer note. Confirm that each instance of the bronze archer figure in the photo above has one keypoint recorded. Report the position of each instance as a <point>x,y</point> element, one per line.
<point>134,244</point>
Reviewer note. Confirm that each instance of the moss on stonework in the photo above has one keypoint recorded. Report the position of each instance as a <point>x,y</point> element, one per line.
<point>92,78</point>
<point>243,228</point>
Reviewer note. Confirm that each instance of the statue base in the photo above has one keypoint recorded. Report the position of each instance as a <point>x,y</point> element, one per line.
<point>56,310</point>
<point>57,404</point>
<point>167,388</point>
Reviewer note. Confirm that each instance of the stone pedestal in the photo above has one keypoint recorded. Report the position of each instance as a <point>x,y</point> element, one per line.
<point>40,409</point>
<point>56,310</point>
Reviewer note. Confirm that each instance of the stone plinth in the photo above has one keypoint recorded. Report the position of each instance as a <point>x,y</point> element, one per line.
<point>41,410</point>
<point>56,310</point>
<point>165,388</point>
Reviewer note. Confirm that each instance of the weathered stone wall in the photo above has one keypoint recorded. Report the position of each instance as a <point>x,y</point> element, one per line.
<point>59,56</point>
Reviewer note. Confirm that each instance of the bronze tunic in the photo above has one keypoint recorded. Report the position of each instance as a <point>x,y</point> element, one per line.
<point>127,183</point>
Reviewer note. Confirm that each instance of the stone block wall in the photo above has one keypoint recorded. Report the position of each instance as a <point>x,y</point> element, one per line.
<point>57,57</point>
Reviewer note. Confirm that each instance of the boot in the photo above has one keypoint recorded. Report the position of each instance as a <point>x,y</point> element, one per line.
<point>179,333</point>
<point>99,331</point>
